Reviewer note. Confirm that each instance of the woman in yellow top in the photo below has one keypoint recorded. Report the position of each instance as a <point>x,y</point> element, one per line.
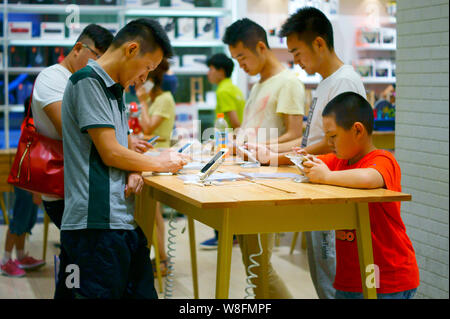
<point>158,113</point>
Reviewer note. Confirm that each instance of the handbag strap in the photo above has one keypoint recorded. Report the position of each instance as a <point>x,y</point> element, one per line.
<point>28,116</point>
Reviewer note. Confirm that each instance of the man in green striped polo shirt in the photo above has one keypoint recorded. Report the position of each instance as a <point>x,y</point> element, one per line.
<point>101,175</point>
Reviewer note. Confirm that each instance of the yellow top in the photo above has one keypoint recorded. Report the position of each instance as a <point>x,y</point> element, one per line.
<point>164,106</point>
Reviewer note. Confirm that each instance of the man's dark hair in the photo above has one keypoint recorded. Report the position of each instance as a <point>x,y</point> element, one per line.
<point>148,32</point>
<point>221,62</point>
<point>247,32</point>
<point>349,108</point>
<point>101,37</point>
<point>309,23</point>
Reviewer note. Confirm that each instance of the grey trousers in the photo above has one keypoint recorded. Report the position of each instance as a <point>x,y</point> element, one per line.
<point>322,261</point>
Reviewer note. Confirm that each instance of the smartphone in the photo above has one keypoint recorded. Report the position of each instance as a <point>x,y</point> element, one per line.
<point>153,140</point>
<point>298,160</point>
<point>184,147</point>
<point>250,156</point>
<point>213,164</point>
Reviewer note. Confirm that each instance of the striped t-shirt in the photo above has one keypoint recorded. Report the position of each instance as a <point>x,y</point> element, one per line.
<point>94,193</point>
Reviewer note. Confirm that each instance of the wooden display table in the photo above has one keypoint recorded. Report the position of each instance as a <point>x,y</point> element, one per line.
<point>244,207</point>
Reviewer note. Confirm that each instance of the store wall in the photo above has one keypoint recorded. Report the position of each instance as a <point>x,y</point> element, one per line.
<point>422,136</point>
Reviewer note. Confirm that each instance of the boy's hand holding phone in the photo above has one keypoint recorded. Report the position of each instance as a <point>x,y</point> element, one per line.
<point>315,169</point>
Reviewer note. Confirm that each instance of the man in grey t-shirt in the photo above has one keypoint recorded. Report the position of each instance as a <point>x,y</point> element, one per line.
<point>99,233</point>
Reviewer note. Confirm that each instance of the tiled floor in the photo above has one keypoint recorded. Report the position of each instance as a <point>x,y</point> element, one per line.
<point>293,269</point>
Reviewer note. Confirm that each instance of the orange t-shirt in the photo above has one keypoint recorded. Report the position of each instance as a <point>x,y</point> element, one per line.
<point>392,249</point>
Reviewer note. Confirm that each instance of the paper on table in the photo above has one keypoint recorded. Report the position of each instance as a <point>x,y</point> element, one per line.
<point>194,166</point>
<point>269,175</point>
<point>213,177</point>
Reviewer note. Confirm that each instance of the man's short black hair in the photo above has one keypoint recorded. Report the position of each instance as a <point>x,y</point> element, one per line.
<point>246,31</point>
<point>349,108</point>
<point>221,62</point>
<point>101,37</point>
<point>309,23</point>
<point>148,32</point>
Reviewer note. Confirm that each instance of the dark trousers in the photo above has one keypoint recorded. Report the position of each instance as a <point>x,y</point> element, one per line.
<point>55,210</point>
<point>112,263</point>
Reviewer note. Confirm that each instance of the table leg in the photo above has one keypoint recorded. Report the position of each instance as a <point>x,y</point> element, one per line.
<point>193,256</point>
<point>369,271</point>
<point>224,248</point>
<point>145,211</point>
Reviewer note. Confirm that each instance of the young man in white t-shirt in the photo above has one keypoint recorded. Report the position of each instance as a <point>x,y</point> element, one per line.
<point>310,39</point>
<point>49,90</point>
<point>273,113</point>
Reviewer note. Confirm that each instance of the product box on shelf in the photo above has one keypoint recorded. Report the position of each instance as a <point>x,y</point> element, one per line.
<point>85,2</point>
<point>17,56</point>
<point>108,2</point>
<point>168,25</point>
<point>182,3</point>
<point>37,56</point>
<point>20,30</point>
<point>150,3</point>
<point>186,29</point>
<point>41,1</point>
<point>382,68</point>
<point>388,36</point>
<point>196,61</point>
<point>56,55</point>
<point>133,3</point>
<point>52,30</point>
<point>368,36</point>
<point>206,28</point>
<point>364,67</point>
<point>17,1</point>
<point>75,30</point>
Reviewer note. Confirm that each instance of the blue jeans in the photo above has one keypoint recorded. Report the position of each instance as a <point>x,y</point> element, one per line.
<point>24,212</point>
<point>321,248</point>
<point>407,294</point>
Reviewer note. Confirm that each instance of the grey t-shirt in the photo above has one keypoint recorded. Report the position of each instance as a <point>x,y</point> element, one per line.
<point>94,193</point>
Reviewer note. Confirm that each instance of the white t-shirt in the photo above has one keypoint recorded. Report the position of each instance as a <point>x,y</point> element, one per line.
<point>281,94</point>
<point>48,88</point>
<point>345,79</point>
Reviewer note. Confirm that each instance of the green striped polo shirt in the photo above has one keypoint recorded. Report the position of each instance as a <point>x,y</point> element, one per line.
<point>93,192</point>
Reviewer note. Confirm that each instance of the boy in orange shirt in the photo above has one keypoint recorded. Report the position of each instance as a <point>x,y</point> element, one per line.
<point>355,162</point>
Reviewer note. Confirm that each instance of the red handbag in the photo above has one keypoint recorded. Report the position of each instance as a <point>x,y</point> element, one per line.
<point>39,162</point>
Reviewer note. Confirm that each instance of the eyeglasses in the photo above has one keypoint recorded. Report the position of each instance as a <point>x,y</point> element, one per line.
<point>95,53</point>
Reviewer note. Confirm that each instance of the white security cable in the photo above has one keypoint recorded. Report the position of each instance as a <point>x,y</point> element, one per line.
<point>252,275</point>
<point>168,289</point>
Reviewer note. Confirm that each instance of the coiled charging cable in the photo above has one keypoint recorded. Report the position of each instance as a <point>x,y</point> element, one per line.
<point>250,286</point>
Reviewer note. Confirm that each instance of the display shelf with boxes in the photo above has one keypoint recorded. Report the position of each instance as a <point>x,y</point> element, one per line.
<point>34,28</point>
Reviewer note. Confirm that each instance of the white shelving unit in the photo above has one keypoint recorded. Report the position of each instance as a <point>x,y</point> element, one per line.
<point>122,13</point>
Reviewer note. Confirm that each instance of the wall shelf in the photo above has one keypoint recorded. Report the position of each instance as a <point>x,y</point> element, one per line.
<point>100,14</point>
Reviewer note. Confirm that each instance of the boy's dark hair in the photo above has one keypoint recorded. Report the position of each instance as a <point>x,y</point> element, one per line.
<point>309,23</point>
<point>148,32</point>
<point>246,31</point>
<point>349,108</point>
<point>101,37</point>
<point>221,62</point>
